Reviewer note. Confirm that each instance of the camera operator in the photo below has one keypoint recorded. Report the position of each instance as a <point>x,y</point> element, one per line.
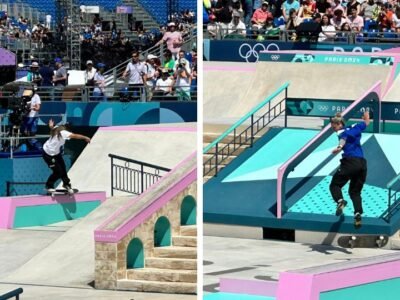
<point>31,119</point>
<point>183,80</point>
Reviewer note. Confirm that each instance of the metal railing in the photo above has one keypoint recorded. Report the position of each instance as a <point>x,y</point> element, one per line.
<point>245,137</point>
<point>133,179</point>
<point>15,293</point>
<point>393,198</point>
<point>371,97</point>
<point>9,184</point>
<point>15,141</point>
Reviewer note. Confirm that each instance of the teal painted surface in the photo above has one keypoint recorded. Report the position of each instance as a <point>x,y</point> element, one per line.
<point>381,290</point>
<point>386,141</point>
<point>188,211</point>
<point>230,296</point>
<point>162,232</point>
<point>47,214</point>
<point>135,254</point>
<point>319,200</point>
<point>246,116</point>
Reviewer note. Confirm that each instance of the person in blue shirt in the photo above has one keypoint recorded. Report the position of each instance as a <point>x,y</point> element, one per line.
<point>353,166</point>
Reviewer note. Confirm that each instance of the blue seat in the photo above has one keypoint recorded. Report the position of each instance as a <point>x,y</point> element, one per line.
<point>390,34</point>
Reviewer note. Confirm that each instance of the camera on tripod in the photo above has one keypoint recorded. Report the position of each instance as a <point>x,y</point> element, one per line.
<point>19,107</point>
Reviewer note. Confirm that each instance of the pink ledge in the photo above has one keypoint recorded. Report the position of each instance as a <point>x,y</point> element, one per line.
<point>249,287</point>
<point>137,128</point>
<point>8,205</point>
<point>114,236</point>
<point>309,286</point>
<point>229,68</point>
<point>376,53</point>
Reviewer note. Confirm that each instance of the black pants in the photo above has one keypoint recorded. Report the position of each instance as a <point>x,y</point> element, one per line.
<point>57,165</point>
<point>355,170</point>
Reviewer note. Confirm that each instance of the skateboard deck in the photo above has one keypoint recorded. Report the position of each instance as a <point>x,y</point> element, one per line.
<point>363,241</point>
<point>62,192</point>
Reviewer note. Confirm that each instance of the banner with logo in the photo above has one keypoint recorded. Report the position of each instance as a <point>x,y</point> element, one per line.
<point>248,50</point>
<point>328,108</point>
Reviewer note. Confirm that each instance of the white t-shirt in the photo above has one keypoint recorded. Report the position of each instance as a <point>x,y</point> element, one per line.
<point>135,71</point>
<point>53,144</point>
<point>164,85</point>
<point>90,74</point>
<point>35,100</point>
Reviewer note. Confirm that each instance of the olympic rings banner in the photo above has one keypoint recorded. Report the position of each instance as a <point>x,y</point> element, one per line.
<point>248,50</point>
<point>328,108</point>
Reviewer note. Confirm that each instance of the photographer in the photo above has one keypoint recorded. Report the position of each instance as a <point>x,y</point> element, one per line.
<point>135,72</point>
<point>183,80</point>
<point>31,119</point>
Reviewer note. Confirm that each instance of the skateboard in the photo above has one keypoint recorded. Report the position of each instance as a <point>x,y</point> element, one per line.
<point>62,192</point>
<point>363,241</point>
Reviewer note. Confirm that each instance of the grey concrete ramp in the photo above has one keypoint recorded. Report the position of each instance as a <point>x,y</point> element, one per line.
<point>69,260</point>
<point>154,144</point>
<point>393,94</point>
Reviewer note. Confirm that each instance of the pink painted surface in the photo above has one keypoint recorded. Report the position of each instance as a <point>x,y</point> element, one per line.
<point>229,68</point>
<point>121,231</point>
<point>8,205</point>
<point>156,129</point>
<point>377,53</point>
<point>392,50</point>
<point>375,88</point>
<point>309,286</point>
<point>249,287</point>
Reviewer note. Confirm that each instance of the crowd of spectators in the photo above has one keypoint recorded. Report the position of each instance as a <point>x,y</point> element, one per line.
<point>328,19</point>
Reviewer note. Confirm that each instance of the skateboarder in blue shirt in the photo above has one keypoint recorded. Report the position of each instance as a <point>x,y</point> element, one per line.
<point>353,166</point>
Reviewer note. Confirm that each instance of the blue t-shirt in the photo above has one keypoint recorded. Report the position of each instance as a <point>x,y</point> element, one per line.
<point>352,136</point>
<point>287,6</point>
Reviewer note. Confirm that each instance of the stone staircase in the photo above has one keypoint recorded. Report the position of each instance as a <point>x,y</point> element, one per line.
<point>211,133</point>
<point>171,269</point>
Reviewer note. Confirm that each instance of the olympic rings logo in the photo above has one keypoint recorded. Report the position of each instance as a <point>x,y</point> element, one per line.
<point>323,108</point>
<point>275,57</point>
<point>246,51</point>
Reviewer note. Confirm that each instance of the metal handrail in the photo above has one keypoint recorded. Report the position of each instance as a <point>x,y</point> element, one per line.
<point>392,194</point>
<point>372,95</point>
<point>15,293</point>
<point>131,180</point>
<point>250,115</point>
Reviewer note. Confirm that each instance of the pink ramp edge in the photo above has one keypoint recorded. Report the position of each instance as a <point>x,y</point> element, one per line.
<point>11,203</point>
<point>309,286</point>
<point>229,68</point>
<point>375,88</point>
<point>249,287</point>
<point>113,236</point>
<point>159,129</point>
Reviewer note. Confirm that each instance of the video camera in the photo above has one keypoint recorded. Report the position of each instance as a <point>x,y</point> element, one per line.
<point>18,104</point>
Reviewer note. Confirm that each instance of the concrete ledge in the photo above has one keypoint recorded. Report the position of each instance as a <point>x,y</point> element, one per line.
<point>37,210</point>
<point>233,231</point>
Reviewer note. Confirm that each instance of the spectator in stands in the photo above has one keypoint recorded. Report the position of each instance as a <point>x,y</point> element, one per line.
<point>247,6</point>
<point>353,4</point>
<point>396,20</point>
<point>31,119</point>
<point>169,62</point>
<point>47,73</point>
<point>34,75</point>
<point>223,13</point>
<point>356,22</point>
<point>136,73</point>
<point>336,5</point>
<point>60,77</point>
<point>323,6</point>
<point>173,39</point>
<point>260,17</point>
<point>236,26</point>
<point>328,32</point>
<point>212,26</point>
<point>369,10</point>
<point>89,73</point>
<point>345,31</point>
<point>287,6</point>
<point>183,81</point>
<point>99,84</point>
<point>338,20</point>
<point>151,73</point>
<point>181,58</point>
<point>164,84</point>
<point>48,21</point>
<point>293,21</point>
<point>307,9</point>
<point>385,19</point>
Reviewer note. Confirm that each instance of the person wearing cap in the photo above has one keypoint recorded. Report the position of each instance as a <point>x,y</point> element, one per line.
<point>150,66</point>
<point>164,84</point>
<point>260,16</point>
<point>236,26</point>
<point>99,84</point>
<point>34,75</point>
<point>52,155</point>
<point>353,166</point>
<point>173,39</point>
<point>60,77</point>
<point>287,6</point>
<point>135,72</point>
<point>89,73</point>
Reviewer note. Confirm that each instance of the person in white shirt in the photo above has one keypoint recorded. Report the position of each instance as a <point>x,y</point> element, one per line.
<point>164,84</point>
<point>31,119</point>
<point>181,57</point>
<point>236,26</point>
<point>328,32</point>
<point>48,21</point>
<point>89,73</point>
<point>99,84</point>
<point>183,81</point>
<point>52,155</point>
<point>135,72</point>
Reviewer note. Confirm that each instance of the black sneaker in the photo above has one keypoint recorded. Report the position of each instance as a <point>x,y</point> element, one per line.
<point>340,206</point>
<point>357,220</point>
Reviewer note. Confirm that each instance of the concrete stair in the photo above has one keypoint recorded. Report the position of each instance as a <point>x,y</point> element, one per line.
<point>172,269</point>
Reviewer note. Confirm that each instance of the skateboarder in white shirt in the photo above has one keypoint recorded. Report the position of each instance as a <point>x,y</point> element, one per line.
<point>53,157</point>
